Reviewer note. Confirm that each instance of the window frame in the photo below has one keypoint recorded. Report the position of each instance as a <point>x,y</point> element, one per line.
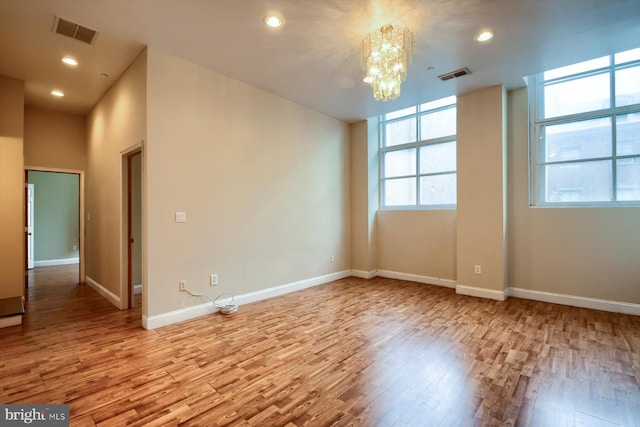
<point>536,86</point>
<point>383,150</point>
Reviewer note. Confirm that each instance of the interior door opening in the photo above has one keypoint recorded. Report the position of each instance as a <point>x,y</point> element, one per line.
<point>54,231</point>
<point>134,227</point>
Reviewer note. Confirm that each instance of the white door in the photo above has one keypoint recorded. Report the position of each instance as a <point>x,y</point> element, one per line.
<point>30,256</point>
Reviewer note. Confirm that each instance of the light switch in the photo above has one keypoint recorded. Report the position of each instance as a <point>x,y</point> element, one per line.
<point>181,217</point>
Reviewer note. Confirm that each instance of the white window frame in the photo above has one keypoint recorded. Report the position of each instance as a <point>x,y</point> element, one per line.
<point>417,145</point>
<point>536,85</point>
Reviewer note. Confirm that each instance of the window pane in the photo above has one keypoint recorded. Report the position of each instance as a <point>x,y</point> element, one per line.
<point>585,139</point>
<point>451,100</point>
<point>438,124</point>
<point>627,56</point>
<point>438,190</point>
<point>400,192</point>
<point>628,134</point>
<point>400,113</point>
<point>628,175</point>
<point>436,158</point>
<point>577,68</point>
<point>576,96</point>
<point>400,132</point>
<point>400,163</point>
<point>628,86</point>
<point>577,182</point>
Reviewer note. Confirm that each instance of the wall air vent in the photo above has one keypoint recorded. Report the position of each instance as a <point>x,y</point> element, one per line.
<point>73,30</point>
<point>454,74</point>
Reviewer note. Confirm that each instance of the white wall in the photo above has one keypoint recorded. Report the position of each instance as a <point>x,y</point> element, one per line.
<point>264,183</point>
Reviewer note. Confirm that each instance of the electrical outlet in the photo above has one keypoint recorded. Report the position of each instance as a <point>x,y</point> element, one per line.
<point>74,248</point>
<point>477,269</point>
<point>332,258</point>
<point>182,285</point>
<point>213,279</point>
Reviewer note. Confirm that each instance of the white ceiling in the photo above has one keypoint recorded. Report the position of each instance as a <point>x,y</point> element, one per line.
<point>314,59</point>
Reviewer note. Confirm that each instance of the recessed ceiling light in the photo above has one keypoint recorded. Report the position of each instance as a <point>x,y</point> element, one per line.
<point>57,93</point>
<point>70,61</point>
<point>273,20</point>
<point>484,36</point>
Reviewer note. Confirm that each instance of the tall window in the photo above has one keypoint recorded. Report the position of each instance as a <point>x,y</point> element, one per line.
<point>585,144</point>
<point>418,156</point>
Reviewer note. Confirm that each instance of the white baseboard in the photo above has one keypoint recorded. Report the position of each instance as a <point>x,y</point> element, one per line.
<point>7,321</point>
<point>576,301</point>
<point>447,283</point>
<point>363,274</point>
<point>107,294</point>
<point>187,313</point>
<point>176,316</point>
<point>481,292</point>
<point>49,262</point>
<point>290,287</point>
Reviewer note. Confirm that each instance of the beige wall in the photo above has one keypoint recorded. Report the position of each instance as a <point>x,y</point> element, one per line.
<point>55,140</point>
<point>421,242</point>
<point>12,180</point>
<point>364,197</point>
<point>584,252</point>
<point>481,214</point>
<point>116,123</point>
<point>264,183</point>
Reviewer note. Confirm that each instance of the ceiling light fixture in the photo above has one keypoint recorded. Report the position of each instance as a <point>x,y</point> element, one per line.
<point>273,21</point>
<point>385,56</point>
<point>69,61</point>
<point>57,93</point>
<point>484,36</point>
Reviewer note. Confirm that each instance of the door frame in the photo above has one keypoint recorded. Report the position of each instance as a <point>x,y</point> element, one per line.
<point>81,245</point>
<point>126,269</point>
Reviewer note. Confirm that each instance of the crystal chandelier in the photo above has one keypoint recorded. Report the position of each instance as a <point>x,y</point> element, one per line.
<point>385,56</point>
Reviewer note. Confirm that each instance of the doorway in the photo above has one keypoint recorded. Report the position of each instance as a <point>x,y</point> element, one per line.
<point>133,205</point>
<point>55,227</point>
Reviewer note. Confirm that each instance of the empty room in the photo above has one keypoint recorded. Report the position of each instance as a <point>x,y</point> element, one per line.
<point>320,213</point>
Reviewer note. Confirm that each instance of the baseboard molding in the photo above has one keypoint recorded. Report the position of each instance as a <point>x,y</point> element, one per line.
<point>49,262</point>
<point>576,301</point>
<point>447,283</point>
<point>176,316</point>
<point>106,294</point>
<point>7,321</point>
<point>364,274</point>
<point>481,292</point>
<point>187,313</point>
<point>290,287</point>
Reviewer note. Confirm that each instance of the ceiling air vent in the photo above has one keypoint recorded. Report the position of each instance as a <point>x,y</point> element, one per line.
<point>454,74</point>
<point>75,31</point>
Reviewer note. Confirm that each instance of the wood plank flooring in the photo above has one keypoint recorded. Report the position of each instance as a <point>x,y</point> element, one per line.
<point>350,353</point>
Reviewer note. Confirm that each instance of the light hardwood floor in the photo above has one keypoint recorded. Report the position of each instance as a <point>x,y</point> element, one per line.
<point>353,352</point>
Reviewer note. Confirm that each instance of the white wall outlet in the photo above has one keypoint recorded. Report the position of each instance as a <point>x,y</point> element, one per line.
<point>213,279</point>
<point>74,248</point>
<point>181,217</point>
<point>182,285</point>
<point>477,269</point>
<point>332,258</point>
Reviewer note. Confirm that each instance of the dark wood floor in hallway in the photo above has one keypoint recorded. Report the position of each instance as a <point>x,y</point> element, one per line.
<point>354,352</point>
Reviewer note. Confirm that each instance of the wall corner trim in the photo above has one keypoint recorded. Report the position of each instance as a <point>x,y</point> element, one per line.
<point>576,301</point>
<point>106,294</point>
<point>187,313</point>
<point>447,283</point>
<point>481,292</point>
<point>364,274</point>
